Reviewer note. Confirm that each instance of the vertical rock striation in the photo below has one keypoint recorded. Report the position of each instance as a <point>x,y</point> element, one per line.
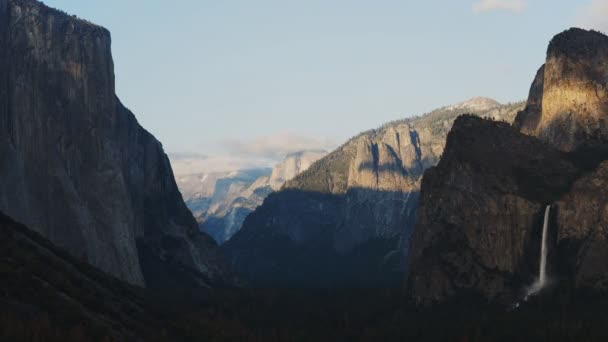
<point>75,165</point>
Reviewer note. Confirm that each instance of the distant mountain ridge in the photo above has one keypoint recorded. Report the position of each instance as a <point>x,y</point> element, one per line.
<point>347,219</point>
<point>476,104</point>
<point>221,201</point>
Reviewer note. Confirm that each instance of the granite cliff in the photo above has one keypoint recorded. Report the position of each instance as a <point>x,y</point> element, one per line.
<point>568,102</point>
<point>346,220</point>
<point>75,165</point>
<point>481,213</point>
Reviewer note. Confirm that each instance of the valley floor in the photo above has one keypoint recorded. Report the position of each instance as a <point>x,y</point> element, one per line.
<point>383,315</point>
<point>45,295</point>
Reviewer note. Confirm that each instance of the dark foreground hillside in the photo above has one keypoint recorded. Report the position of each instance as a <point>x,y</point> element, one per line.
<point>46,295</point>
<point>384,315</point>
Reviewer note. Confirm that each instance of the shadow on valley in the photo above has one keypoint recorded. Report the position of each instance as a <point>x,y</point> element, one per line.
<point>306,239</point>
<point>46,295</point>
<point>384,170</point>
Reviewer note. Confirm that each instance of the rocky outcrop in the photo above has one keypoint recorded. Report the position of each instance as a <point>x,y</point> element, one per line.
<point>75,165</point>
<point>480,216</point>
<point>582,232</point>
<point>528,120</point>
<point>346,221</point>
<point>568,104</point>
<point>293,164</point>
<point>481,209</point>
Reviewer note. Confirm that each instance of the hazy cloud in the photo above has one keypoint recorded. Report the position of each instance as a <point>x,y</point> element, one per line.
<point>515,6</point>
<point>186,156</point>
<point>242,154</point>
<point>594,15</point>
<point>197,164</point>
<point>275,146</point>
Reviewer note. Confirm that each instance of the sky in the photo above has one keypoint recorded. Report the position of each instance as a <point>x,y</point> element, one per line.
<point>259,78</point>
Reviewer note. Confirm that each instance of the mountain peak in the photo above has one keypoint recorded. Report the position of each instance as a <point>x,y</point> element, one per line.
<point>576,41</point>
<point>476,103</point>
<point>568,99</point>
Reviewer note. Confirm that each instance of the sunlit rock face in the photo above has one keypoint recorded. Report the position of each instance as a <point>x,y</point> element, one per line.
<point>293,164</point>
<point>389,163</point>
<point>346,221</point>
<point>568,108</point>
<point>74,163</point>
<point>568,104</point>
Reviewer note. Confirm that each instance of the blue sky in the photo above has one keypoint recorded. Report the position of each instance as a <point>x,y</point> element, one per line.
<point>256,77</point>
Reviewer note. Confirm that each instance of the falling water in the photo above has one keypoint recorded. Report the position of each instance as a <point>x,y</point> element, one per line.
<point>542,276</point>
<point>542,272</point>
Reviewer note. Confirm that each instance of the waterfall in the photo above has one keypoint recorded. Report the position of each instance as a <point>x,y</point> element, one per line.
<point>542,273</point>
<point>542,269</point>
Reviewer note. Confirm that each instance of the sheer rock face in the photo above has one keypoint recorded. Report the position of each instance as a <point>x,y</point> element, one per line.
<point>572,108</point>
<point>481,213</point>
<point>481,210</point>
<point>387,163</point>
<point>582,236</point>
<point>75,164</point>
<point>528,120</point>
<point>291,166</point>
<point>325,233</point>
<point>346,221</point>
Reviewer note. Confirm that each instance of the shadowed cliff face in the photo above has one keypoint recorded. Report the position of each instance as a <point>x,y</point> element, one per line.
<point>330,240</point>
<point>481,210</point>
<point>582,232</point>
<point>75,164</point>
<point>346,221</point>
<point>528,120</point>
<point>568,104</point>
<point>480,216</point>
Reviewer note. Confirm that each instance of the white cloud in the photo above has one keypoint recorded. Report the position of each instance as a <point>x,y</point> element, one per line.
<point>515,6</point>
<point>594,15</point>
<point>193,165</point>
<point>276,146</point>
<point>242,154</point>
<point>186,156</point>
